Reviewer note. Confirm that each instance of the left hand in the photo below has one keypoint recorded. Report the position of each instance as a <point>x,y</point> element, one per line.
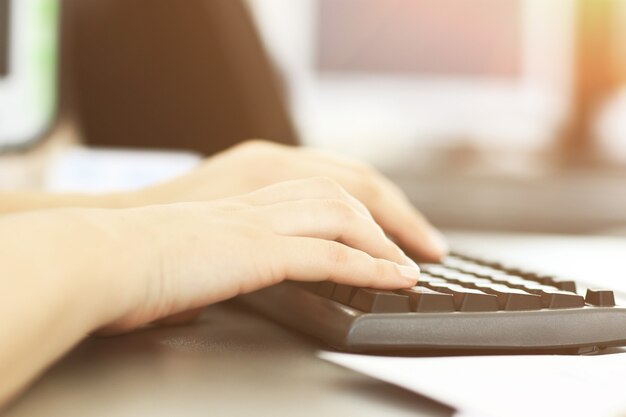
<point>256,164</point>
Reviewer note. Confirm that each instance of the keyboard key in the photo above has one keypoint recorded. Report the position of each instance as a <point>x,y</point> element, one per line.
<point>508,279</point>
<point>487,262</point>
<point>540,278</point>
<point>467,299</point>
<point>343,293</point>
<point>532,276</point>
<point>325,289</point>
<point>562,284</point>
<point>378,301</point>
<point>477,270</point>
<point>309,286</point>
<point>512,299</point>
<point>515,271</point>
<point>485,293</point>
<point>425,300</point>
<point>600,298</point>
<point>434,269</point>
<point>424,277</point>
<point>465,280</point>
<point>552,297</point>
<point>480,260</point>
<point>565,285</point>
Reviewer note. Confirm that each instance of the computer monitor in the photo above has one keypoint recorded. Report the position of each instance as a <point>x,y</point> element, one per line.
<point>368,77</point>
<point>28,68</point>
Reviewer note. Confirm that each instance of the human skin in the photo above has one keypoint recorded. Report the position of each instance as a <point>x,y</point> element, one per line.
<point>255,164</point>
<point>162,253</point>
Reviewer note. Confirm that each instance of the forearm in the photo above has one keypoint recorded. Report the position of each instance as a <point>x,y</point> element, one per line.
<point>58,283</point>
<point>19,201</point>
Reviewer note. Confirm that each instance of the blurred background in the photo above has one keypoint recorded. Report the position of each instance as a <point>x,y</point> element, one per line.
<point>491,114</point>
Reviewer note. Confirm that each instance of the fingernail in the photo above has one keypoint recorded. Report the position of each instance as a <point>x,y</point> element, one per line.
<point>410,272</point>
<point>410,262</point>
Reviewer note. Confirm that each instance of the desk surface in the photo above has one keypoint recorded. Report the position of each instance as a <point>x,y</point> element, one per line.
<point>229,363</point>
<point>235,363</point>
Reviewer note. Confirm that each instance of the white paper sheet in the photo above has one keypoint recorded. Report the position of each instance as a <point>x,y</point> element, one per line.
<point>507,386</point>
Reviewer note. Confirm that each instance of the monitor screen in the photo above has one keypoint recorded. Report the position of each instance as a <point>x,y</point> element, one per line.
<point>420,37</point>
<point>379,78</point>
<point>4,37</point>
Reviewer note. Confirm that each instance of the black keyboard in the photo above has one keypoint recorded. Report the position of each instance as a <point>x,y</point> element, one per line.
<point>463,304</point>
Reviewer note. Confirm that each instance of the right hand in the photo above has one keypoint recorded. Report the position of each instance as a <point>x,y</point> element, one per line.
<point>305,230</point>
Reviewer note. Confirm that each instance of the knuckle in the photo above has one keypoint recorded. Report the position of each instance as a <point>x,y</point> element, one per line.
<point>329,187</point>
<point>338,254</point>
<point>372,186</point>
<point>276,270</point>
<point>384,269</point>
<point>341,209</point>
<point>370,180</point>
<point>362,207</point>
<point>327,183</point>
<point>267,270</point>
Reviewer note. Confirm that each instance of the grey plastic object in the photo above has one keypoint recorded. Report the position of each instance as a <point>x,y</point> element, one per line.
<point>575,330</point>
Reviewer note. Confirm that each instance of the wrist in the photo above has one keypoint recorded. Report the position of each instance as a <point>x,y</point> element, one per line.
<point>122,263</point>
<point>98,258</point>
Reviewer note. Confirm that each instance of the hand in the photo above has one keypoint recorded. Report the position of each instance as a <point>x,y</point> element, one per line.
<point>112,270</point>
<point>195,254</point>
<point>256,164</point>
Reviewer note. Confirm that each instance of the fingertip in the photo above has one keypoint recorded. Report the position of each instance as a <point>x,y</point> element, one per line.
<point>418,236</point>
<point>409,273</point>
<point>404,283</point>
<point>409,283</point>
<point>388,275</point>
<point>396,283</point>
<point>431,246</point>
<point>405,277</point>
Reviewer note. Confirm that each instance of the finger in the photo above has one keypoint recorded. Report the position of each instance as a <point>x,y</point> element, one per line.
<point>399,218</point>
<point>332,220</point>
<point>310,259</point>
<point>386,202</point>
<point>181,318</point>
<point>308,188</point>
